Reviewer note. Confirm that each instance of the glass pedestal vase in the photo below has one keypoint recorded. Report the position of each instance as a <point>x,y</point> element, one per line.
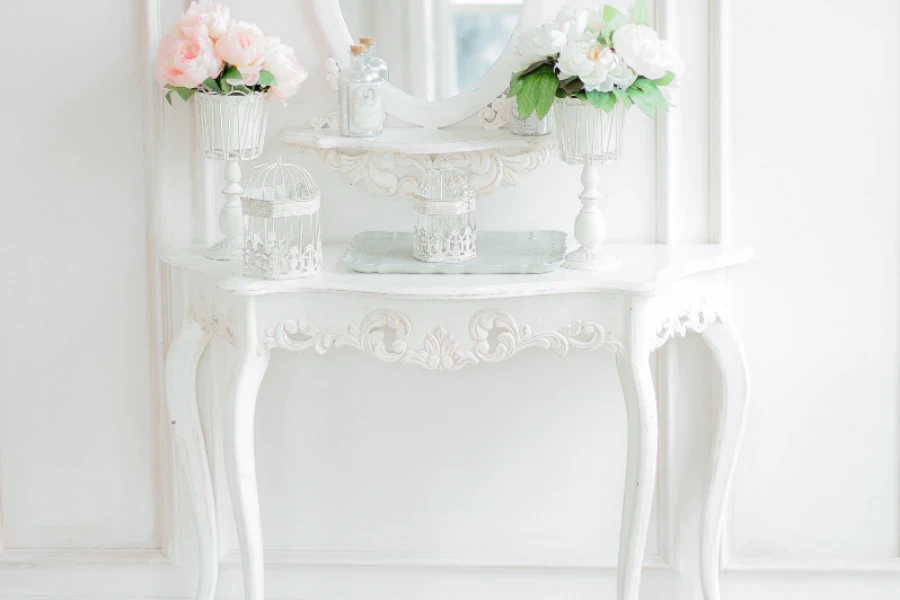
<point>232,128</point>
<point>590,137</point>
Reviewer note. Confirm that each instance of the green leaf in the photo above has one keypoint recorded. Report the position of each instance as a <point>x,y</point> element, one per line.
<point>602,100</point>
<point>581,95</point>
<point>547,84</point>
<point>652,93</point>
<point>169,97</point>
<point>242,88</point>
<point>639,98</point>
<point>211,84</point>
<point>526,99</point>
<point>515,84</point>
<point>232,74</point>
<point>543,65</point>
<point>622,97</point>
<point>608,100</point>
<point>226,87</point>
<point>185,93</point>
<point>537,93</point>
<point>561,93</point>
<point>572,85</point>
<point>666,79</point>
<point>640,14</point>
<point>266,79</point>
<point>612,20</point>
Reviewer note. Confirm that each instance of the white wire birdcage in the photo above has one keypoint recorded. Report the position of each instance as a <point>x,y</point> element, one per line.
<point>444,217</point>
<point>588,134</point>
<point>232,126</point>
<point>282,236</point>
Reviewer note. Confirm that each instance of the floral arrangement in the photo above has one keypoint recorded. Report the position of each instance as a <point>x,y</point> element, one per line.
<point>602,56</point>
<point>211,52</point>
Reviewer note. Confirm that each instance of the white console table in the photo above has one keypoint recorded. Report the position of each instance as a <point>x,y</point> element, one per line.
<point>450,322</point>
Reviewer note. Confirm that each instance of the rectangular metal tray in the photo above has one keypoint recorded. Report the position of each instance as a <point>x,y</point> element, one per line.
<point>516,252</point>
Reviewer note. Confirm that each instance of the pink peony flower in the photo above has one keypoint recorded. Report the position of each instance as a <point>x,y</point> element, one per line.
<point>186,60</point>
<point>211,15</point>
<point>243,46</point>
<point>282,63</point>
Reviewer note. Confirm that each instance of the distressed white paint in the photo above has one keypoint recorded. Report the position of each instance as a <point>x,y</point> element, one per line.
<point>673,291</point>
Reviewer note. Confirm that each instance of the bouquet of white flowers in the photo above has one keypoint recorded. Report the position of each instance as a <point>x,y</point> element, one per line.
<point>602,56</point>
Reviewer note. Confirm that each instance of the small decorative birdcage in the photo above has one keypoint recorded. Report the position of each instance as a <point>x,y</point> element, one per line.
<point>282,238</point>
<point>444,222</point>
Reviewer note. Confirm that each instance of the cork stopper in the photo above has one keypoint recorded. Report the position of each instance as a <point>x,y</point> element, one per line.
<point>358,49</point>
<point>367,41</point>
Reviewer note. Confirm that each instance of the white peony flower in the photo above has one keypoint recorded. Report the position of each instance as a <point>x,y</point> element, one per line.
<point>537,44</point>
<point>282,63</point>
<point>600,79</point>
<point>573,23</point>
<point>579,56</point>
<point>243,46</point>
<point>644,52</point>
<point>672,92</point>
<point>621,74</point>
<point>211,15</point>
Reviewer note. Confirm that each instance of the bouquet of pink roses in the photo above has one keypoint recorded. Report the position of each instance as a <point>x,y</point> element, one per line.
<point>210,52</point>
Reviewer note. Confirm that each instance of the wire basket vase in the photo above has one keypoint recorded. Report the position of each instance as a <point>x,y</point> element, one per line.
<point>587,134</point>
<point>232,126</point>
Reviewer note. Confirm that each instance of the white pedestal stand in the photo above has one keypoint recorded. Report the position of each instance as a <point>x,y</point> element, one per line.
<point>590,227</point>
<point>231,221</point>
<point>232,128</point>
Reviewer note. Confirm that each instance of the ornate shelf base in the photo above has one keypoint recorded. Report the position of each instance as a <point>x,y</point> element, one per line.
<point>227,249</point>
<point>590,259</point>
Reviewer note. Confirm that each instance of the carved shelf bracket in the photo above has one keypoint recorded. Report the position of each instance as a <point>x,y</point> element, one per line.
<point>697,317</point>
<point>212,319</point>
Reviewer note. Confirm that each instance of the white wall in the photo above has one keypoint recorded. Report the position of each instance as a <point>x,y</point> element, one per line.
<point>440,478</point>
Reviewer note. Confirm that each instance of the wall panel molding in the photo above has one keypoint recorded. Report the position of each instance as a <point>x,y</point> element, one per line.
<point>666,146</point>
<point>82,557</point>
<point>158,277</point>
<point>430,560</point>
<point>813,566</point>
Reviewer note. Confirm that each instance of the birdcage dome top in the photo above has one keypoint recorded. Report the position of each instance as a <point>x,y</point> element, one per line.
<point>444,183</point>
<point>280,182</point>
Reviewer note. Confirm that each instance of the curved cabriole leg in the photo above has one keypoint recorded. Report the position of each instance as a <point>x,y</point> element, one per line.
<point>729,356</point>
<point>241,463</point>
<point>640,470</point>
<point>190,448</point>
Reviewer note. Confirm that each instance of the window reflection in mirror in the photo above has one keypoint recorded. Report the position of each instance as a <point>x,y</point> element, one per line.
<point>435,49</point>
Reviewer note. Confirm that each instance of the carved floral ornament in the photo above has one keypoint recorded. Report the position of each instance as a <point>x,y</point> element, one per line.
<point>494,334</point>
<point>378,171</point>
<point>696,318</point>
<point>212,319</point>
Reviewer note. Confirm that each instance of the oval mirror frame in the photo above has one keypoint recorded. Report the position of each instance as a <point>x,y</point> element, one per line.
<point>428,113</point>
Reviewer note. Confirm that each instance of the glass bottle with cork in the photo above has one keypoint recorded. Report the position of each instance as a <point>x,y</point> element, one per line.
<point>372,58</point>
<point>361,99</point>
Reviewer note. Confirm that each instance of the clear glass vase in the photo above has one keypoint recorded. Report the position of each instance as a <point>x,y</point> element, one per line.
<point>530,125</point>
<point>587,134</point>
<point>233,126</point>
